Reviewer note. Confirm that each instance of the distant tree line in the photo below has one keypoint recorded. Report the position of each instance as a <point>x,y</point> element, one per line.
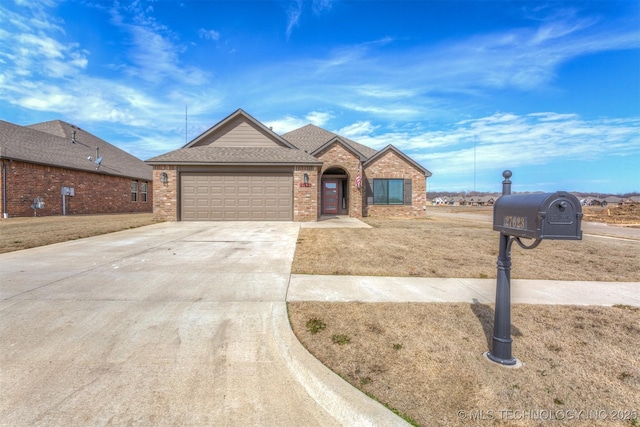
<point>468,194</point>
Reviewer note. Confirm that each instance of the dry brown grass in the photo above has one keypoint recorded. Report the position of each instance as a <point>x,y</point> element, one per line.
<point>425,360</point>
<point>623,214</point>
<point>455,247</point>
<point>30,232</point>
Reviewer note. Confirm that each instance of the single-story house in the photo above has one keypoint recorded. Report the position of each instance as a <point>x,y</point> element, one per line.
<point>591,201</point>
<point>55,168</point>
<point>486,201</point>
<point>612,201</point>
<point>240,169</point>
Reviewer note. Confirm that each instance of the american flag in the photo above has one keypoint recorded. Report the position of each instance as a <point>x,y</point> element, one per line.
<point>358,179</point>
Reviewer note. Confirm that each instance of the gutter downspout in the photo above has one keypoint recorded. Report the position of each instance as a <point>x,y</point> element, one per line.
<point>5,214</point>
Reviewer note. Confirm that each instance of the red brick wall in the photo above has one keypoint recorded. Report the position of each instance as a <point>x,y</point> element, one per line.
<point>336,156</point>
<point>165,196</point>
<point>95,193</point>
<point>391,166</point>
<point>305,198</point>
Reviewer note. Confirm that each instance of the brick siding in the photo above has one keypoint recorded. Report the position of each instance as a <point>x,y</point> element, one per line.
<point>95,193</point>
<point>305,198</point>
<point>391,166</point>
<point>165,196</point>
<point>336,156</point>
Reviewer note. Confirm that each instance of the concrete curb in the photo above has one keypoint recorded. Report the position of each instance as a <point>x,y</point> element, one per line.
<point>346,404</point>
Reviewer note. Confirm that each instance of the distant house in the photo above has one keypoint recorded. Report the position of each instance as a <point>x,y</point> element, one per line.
<point>612,201</point>
<point>55,168</point>
<point>591,201</point>
<point>439,201</point>
<point>239,169</point>
<point>482,201</point>
<point>486,201</point>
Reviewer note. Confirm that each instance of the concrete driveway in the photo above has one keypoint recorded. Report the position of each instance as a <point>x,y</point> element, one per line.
<point>171,324</point>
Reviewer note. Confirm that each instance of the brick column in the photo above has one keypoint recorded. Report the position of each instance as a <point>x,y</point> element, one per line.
<point>165,196</point>
<point>305,195</point>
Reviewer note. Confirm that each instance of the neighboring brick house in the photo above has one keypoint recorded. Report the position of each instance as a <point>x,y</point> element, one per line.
<point>240,169</point>
<point>43,161</point>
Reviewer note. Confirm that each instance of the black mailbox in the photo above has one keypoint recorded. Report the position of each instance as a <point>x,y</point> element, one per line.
<point>539,216</point>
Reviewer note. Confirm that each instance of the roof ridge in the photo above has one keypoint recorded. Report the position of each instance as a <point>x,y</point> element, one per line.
<point>48,143</point>
<point>61,128</point>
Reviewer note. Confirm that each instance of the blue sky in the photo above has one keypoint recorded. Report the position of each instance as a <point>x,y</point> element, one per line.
<point>550,90</point>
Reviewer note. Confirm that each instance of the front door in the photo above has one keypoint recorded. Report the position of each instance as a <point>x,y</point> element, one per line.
<point>330,197</point>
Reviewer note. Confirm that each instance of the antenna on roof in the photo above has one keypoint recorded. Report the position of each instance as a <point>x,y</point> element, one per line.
<point>98,161</point>
<point>185,124</point>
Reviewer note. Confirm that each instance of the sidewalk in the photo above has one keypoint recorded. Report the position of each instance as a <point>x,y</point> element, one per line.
<point>416,289</point>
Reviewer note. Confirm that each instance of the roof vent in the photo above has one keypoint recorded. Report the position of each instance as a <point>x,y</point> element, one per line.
<point>73,137</point>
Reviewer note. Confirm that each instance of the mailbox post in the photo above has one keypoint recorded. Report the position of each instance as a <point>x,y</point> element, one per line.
<point>501,340</point>
<point>555,216</point>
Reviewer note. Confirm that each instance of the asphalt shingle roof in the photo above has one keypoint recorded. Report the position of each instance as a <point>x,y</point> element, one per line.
<point>49,143</point>
<point>235,155</point>
<point>310,137</point>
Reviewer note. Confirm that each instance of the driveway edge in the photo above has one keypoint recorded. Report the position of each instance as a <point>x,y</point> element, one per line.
<point>346,404</point>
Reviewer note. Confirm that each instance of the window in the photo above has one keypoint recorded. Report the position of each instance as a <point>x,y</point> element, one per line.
<point>388,191</point>
<point>134,191</point>
<point>143,192</point>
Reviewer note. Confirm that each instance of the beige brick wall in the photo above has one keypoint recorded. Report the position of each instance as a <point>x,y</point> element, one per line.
<point>305,198</point>
<point>165,196</point>
<point>336,156</point>
<point>391,166</point>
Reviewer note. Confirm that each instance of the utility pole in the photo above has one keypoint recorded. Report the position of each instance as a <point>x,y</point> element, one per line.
<point>475,143</point>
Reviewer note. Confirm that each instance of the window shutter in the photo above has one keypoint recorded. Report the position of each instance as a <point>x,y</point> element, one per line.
<point>407,192</point>
<point>369,191</point>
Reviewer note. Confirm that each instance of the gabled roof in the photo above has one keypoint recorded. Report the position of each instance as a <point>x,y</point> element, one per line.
<point>50,143</point>
<point>399,153</point>
<point>310,138</point>
<point>338,140</point>
<point>240,139</point>
<point>239,113</point>
<point>236,156</point>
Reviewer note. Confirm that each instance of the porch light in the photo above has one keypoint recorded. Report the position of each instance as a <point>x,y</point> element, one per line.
<point>306,178</point>
<point>164,178</point>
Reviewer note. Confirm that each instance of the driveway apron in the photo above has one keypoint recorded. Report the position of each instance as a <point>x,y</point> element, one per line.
<point>172,324</point>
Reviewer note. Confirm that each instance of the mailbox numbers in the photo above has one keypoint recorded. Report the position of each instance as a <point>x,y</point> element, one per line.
<point>517,222</point>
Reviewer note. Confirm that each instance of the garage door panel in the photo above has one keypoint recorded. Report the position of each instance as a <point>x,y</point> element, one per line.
<point>236,196</point>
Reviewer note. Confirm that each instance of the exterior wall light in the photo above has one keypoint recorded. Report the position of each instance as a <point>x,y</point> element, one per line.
<point>164,178</point>
<point>306,178</point>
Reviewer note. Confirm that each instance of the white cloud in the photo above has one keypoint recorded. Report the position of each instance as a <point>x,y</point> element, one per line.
<point>320,6</point>
<point>293,16</point>
<point>153,50</point>
<point>295,9</point>
<point>516,140</point>
<point>393,110</point>
<point>318,118</point>
<point>291,122</point>
<point>358,130</point>
<point>286,124</point>
<point>208,34</point>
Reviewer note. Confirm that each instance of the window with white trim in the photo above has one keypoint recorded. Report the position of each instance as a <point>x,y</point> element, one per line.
<point>134,191</point>
<point>143,192</point>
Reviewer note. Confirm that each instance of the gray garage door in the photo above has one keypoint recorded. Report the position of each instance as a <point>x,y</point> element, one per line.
<point>236,197</point>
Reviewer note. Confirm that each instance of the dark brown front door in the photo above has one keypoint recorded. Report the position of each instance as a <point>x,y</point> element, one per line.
<point>329,197</point>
